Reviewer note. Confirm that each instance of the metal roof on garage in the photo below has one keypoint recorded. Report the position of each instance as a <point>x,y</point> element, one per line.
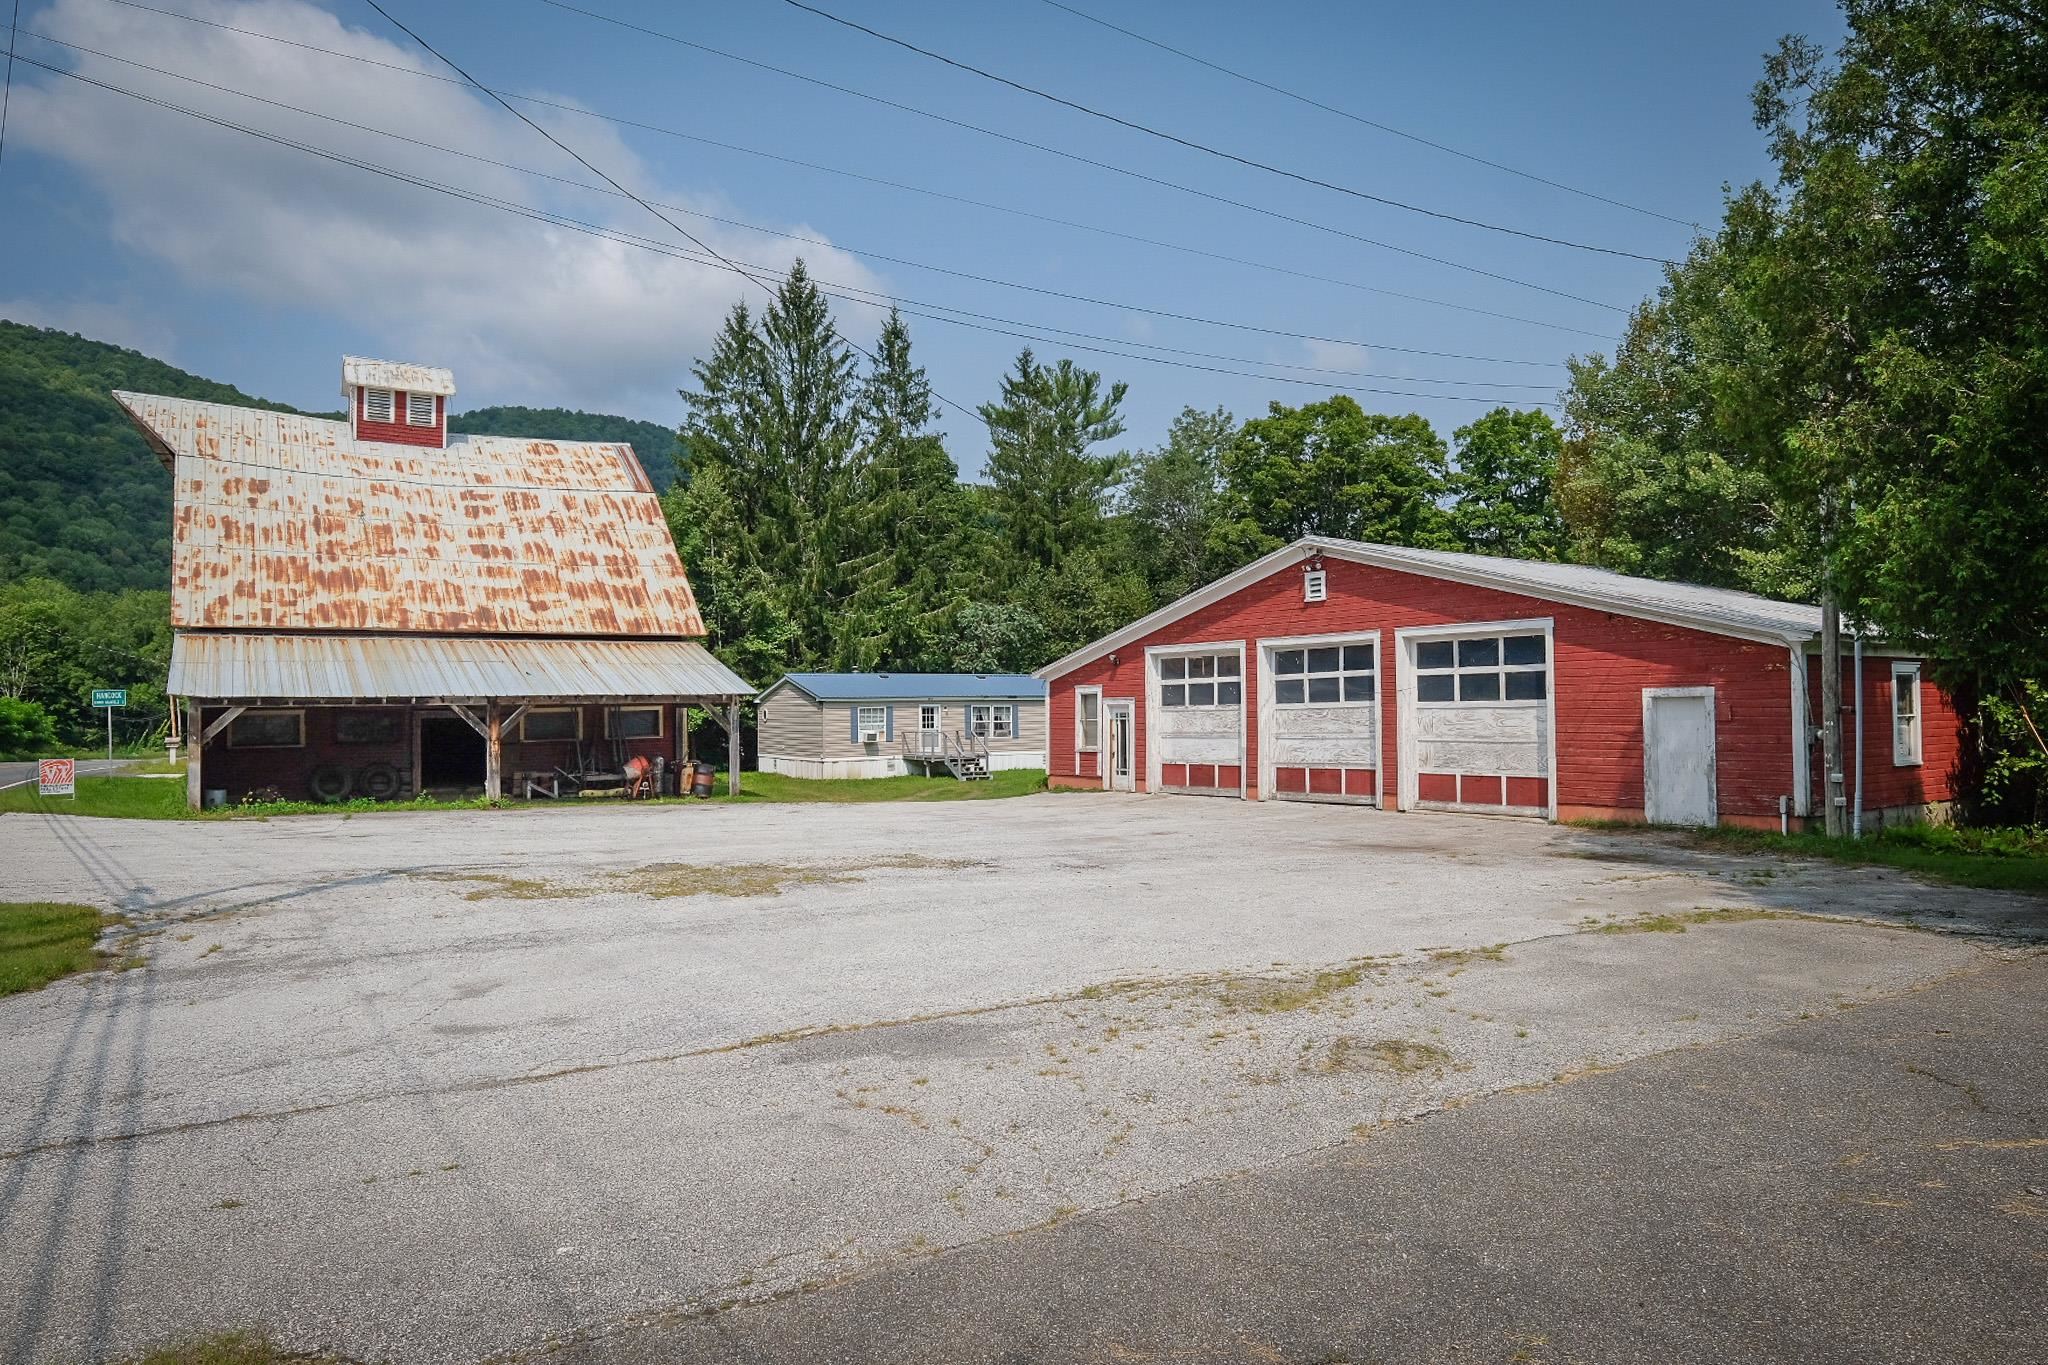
<point>335,668</point>
<point>1723,611</point>
<point>915,686</point>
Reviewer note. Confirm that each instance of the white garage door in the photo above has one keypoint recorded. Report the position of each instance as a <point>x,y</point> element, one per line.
<point>1320,708</point>
<point>1196,721</point>
<point>1477,719</point>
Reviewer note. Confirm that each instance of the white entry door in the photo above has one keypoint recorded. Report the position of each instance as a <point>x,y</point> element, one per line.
<point>1678,755</point>
<point>1122,746</point>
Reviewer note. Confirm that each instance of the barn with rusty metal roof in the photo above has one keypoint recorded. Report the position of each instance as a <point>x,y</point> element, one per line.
<point>373,607</point>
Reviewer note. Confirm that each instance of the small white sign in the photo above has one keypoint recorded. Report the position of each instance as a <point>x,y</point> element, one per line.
<point>57,777</point>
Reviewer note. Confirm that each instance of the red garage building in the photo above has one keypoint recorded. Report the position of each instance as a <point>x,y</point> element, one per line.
<point>1334,670</point>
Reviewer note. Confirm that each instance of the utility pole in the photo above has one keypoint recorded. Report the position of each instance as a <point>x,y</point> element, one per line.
<point>1832,797</point>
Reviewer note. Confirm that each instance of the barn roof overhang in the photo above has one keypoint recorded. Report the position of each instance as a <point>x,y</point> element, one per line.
<point>1717,611</point>
<point>330,669</point>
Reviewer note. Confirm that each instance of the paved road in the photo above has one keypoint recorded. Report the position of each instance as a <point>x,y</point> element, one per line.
<point>15,774</point>
<point>1869,1187</point>
<point>440,1086</point>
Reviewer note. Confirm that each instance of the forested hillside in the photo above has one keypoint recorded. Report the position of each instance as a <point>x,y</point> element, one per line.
<point>654,444</point>
<point>82,499</point>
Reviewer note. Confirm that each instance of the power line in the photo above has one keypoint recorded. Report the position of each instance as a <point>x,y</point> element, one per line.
<point>1387,128</point>
<point>588,165</point>
<point>837,246</point>
<point>1218,152</point>
<point>1079,159</point>
<point>7,87</point>
<point>1119,234</point>
<point>747,270</point>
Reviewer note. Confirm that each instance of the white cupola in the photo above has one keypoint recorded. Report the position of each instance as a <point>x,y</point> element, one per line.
<point>395,402</point>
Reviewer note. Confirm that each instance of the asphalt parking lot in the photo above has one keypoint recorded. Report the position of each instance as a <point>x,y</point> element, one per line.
<point>466,1084</point>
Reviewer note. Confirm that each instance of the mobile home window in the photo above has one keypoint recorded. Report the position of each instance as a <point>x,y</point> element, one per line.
<point>1088,715</point>
<point>1326,675</point>
<point>551,723</point>
<point>1905,714</point>
<point>268,730</point>
<point>872,719</point>
<point>993,722</point>
<point>379,405</point>
<point>635,722</point>
<point>1483,668</point>
<point>1200,680</point>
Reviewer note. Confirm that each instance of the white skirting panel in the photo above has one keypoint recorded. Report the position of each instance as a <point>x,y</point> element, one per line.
<point>891,766</point>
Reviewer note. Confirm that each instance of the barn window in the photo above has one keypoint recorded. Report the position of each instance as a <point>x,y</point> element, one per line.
<point>419,409</point>
<point>1200,680</point>
<point>379,405</point>
<point>1483,668</point>
<point>1328,675</point>
<point>1905,715</point>
<point>544,723</point>
<point>1088,720</point>
<point>634,722</point>
<point>268,730</point>
<point>1315,585</point>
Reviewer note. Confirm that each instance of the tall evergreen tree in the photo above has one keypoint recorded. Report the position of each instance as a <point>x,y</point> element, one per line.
<point>1050,490</point>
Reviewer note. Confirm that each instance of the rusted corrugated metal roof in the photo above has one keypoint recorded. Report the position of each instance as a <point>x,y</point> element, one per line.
<point>288,523</point>
<point>394,374</point>
<point>314,668</point>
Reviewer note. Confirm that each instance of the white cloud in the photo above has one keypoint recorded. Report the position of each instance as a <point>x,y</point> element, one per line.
<point>1337,355</point>
<point>523,311</point>
<point>123,324</point>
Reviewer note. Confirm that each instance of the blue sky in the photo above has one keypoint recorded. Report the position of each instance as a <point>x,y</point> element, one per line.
<point>260,265</point>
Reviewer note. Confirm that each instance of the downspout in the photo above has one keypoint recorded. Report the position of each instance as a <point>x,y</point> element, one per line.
<point>1856,810</point>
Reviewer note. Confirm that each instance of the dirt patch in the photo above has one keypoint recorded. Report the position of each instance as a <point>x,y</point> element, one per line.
<point>669,881</point>
<point>1679,921</point>
<point>1390,1056</point>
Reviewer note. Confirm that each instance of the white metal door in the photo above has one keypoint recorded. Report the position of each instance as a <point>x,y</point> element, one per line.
<point>1122,760</point>
<point>1678,755</point>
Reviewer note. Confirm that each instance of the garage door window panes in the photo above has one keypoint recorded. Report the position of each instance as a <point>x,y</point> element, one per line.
<point>1200,680</point>
<point>1326,675</point>
<point>1483,668</point>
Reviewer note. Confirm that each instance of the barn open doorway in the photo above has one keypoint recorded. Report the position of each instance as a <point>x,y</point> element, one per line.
<point>451,754</point>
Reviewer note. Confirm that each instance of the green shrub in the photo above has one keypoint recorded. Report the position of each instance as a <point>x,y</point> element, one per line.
<point>25,729</point>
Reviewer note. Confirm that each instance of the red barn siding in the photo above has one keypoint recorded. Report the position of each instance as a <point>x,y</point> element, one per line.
<point>1602,663</point>
<point>1887,785</point>
<point>400,432</point>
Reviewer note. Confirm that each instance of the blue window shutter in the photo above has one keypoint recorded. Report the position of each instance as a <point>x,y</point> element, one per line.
<point>889,724</point>
<point>853,723</point>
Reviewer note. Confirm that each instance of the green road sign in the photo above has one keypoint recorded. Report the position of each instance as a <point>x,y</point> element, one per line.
<point>110,696</point>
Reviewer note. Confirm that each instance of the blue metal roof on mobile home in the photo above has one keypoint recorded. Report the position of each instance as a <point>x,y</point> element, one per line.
<point>914,686</point>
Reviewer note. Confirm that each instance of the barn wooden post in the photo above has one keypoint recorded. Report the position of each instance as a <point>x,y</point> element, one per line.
<point>735,750</point>
<point>195,745</point>
<point>492,752</point>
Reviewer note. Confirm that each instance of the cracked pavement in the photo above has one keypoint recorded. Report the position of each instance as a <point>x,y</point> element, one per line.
<point>464,1084</point>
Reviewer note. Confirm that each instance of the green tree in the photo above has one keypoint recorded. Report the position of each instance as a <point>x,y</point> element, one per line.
<point>1173,503</point>
<point>1503,485</point>
<point>1049,490</point>
<point>1333,469</point>
<point>25,729</point>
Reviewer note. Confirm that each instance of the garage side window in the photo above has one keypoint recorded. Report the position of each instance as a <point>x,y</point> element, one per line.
<point>550,723</point>
<point>1326,675</point>
<point>1482,668</point>
<point>1200,680</point>
<point>634,722</point>
<point>1905,715</point>
<point>1088,720</point>
<point>268,730</point>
